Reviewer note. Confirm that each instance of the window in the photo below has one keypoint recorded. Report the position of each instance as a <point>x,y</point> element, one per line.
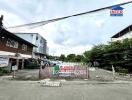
<point>11,43</point>
<point>24,47</point>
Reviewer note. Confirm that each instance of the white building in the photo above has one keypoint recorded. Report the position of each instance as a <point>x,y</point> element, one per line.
<point>123,34</point>
<point>41,50</point>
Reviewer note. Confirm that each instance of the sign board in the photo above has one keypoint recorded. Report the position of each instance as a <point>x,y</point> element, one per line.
<point>14,67</point>
<point>116,11</point>
<point>66,71</point>
<point>4,61</point>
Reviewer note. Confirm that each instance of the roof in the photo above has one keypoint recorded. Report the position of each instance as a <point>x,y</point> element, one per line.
<point>25,33</point>
<point>122,32</point>
<point>19,33</point>
<point>19,39</point>
<point>117,8</point>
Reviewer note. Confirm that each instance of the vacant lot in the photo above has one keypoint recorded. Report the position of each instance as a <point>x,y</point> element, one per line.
<point>98,74</point>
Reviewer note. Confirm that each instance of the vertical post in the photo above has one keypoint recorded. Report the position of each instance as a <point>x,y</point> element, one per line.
<point>22,63</point>
<point>10,64</point>
<point>40,73</point>
<point>40,69</point>
<point>17,63</point>
<point>14,68</point>
<point>113,71</point>
<point>87,72</point>
<point>13,73</point>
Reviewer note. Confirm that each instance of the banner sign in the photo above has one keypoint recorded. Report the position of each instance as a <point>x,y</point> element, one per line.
<point>14,67</point>
<point>69,71</point>
<point>4,61</point>
<point>66,71</point>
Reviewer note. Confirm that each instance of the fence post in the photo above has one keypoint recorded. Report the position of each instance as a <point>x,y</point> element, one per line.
<point>113,72</point>
<point>87,72</point>
<point>40,70</point>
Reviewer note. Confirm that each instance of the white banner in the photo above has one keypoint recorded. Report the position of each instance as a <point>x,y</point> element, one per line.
<point>14,67</point>
<point>4,61</point>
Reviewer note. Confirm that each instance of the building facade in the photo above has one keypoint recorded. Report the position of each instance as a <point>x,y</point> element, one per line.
<point>14,49</point>
<point>123,34</point>
<point>41,50</point>
<point>10,44</point>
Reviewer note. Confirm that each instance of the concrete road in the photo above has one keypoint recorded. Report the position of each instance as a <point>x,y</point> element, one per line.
<point>79,90</point>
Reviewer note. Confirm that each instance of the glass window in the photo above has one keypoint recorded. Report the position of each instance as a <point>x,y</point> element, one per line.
<point>24,47</point>
<point>11,43</point>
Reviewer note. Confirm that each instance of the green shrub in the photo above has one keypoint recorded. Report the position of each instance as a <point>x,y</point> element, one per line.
<point>32,66</point>
<point>4,71</point>
<point>123,70</point>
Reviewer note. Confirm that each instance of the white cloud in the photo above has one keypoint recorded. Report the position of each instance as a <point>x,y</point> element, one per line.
<point>74,35</point>
<point>10,18</point>
<point>59,49</point>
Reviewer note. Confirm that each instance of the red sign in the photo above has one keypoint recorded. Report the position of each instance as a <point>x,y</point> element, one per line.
<point>116,12</point>
<point>67,68</point>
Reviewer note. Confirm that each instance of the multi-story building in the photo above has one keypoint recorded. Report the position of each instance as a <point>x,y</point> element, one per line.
<point>13,49</point>
<point>41,50</point>
<point>11,44</point>
<point>123,34</point>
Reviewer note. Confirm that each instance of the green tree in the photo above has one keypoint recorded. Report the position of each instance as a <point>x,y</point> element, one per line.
<point>79,58</point>
<point>117,53</point>
<point>71,57</point>
<point>62,57</point>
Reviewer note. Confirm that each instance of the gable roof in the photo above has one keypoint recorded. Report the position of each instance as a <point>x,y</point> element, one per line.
<point>123,32</point>
<point>117,8</point>
<point>19,39</point>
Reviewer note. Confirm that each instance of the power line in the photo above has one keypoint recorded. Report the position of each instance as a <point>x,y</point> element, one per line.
<point>41,23</point>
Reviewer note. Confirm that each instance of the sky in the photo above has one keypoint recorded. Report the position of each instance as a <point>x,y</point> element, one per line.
<point>73,35</point>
